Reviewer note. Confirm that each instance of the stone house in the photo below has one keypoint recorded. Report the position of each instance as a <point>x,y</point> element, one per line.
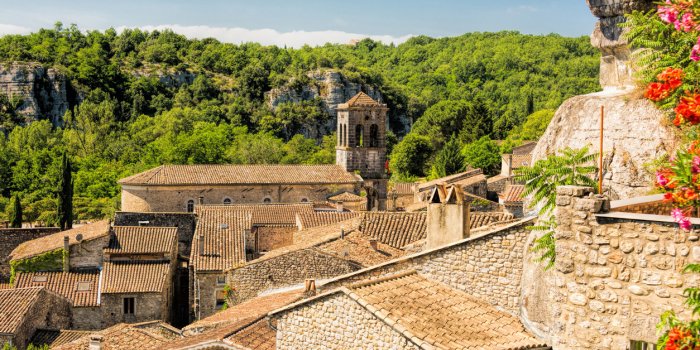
<point>10,238</point>
<point>520,156</point>
<point>512,200</point>
<point>401,311</point>
<point>185,223</point>
<point>84,246</point>
<point>143,336</point>
<point>349,201</point>
<point>24,310</point>
<point>178,188</point>
<point>80,288</point>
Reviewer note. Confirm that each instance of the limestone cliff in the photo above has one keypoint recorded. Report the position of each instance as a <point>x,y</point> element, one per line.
<point>45,92</point>
<point>332,88</point>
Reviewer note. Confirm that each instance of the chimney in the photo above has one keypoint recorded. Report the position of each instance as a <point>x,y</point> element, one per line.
<point>95,342</point>
<point>448,216</point>
<point>66,256</point>
<point>310,287</point>
<point>373,244</point>
<point>339,206</point>
<point>201,244</point>
<point>200,200</point>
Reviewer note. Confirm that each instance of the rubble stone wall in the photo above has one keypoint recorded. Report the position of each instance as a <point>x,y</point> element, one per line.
<point>10,238</point>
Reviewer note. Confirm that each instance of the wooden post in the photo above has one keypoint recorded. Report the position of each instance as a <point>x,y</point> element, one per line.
<point>600,155</point>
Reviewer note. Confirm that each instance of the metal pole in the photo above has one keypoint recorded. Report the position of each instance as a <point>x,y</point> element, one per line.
<point>600,155</point>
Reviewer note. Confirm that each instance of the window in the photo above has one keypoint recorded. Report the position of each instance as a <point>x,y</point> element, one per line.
<point>190,206</point>
<point>221,280</point>
<point>128,306</point>
<point>267,200</point>
<point>227,201</point>
<point>641,345</point>
<point>40,279</point>
<point>220,299</point>
<point>304,200</point>
<point>359,130</point>
<point>345,135</point>
<point>374,135</point>
<point>85,286</point>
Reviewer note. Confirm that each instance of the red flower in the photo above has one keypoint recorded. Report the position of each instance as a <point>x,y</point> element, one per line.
<point>657,91</point>
<point>688,110</point>
<point>672,76</point>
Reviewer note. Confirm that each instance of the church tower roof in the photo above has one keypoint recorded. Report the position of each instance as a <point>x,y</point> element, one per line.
<point>361,99</point>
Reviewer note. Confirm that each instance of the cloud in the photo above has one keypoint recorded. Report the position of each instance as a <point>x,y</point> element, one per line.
<point>6,29</point>
<point>294,39</point>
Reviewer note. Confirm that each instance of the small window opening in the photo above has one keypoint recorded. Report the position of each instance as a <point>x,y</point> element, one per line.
<point>128,306</point>
<point>227,201</point>
<point>190,206</point>
<point>83,286</point>
<point>40,279</point>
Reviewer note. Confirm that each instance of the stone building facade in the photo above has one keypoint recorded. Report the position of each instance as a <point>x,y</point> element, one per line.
<point>10,238</point>
<point>615,274</point>
<point>25,310</point>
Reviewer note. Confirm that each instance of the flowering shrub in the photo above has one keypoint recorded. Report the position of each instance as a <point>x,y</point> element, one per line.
<point>679,182</point>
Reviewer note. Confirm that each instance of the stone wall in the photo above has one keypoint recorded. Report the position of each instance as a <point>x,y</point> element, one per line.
<point>285,270</point>
<point>488,267</point>
<point>88,253</point>
<point>614,275</point>
<point>185,223</point>
<point>273,237</point>
<point>175,198</point>
<point>147,307</point>
<point>50,311</point>
<point>336,322</point>
<point>88,318</point>
<point>10,238</point>
<point>206,287</point>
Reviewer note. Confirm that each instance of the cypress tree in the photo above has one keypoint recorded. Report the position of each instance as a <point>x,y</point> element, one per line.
<point>16,213</point>
<point>65,195</point>
<point>449,160</point>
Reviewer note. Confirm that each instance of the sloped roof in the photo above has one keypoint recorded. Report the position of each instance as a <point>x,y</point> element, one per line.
<point>227,174</point>
<point>479,219</point>
<point>464,177</point>
<point>361,99</point>
<point>122,337</point>
<point>521,160</point>
<point>258,336</point>
<point>223,230</point>
<point>404,188</point>
<point>135,276</point>
<point>65,284</point>
<point>262,214</point>
<point>53,338</point>
<point>526,148</point>
<point>355,247</point>
<point>322,218</point>
<point>443,317</point>
<point>347,197</point>
<point>395,229</point>
<point>142,240</point>
<point>513,193</point>
<point>15,304</point>
<point>54,241</point>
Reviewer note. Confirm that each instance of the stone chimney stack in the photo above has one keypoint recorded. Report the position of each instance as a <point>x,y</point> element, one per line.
<point>200,200</point>
<point>310,287</point>
<point>66,256</point>
<point>448,216</point>
<point>339,206</point>
<point>95,342</point>
<point>201,244</point>
<point>373,244</point>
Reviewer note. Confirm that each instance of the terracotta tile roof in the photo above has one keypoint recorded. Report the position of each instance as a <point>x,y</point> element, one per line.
<point>441,316</point>
<point>263,214</point>
<point>5,286</point>
<point>227,323</point>
<point>361,99</point>
<point>80,288</point>
<point>135,277</point>
<point>526,148</point>
<point>54,338</point>
<point>479,219</point>
<point>142,240</point>
<point>257,336</point>
<point>223,229</point>
<point>227,174</point>
<point>322,218</point>
<point>356,248</point>
<point>404,188</point>
<point>395,229</point>
<point>248,309</point>
<point>453,179</point>
<point>513,193</point>
<point>347,197</point>
<point>14,305</point>
<point>496,178</point>
<point>416,207</point>
<point>120,337</point>
<point>55,241</point>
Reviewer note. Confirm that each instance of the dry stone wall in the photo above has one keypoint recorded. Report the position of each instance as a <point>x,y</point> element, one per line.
<point>12,237</point>
<point>285,270</point>
<point>487,267</point>
<point>613,276</point>
<point>336,322</point>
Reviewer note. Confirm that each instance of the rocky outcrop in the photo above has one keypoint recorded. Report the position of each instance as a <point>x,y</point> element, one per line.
<point>45,92</point>
<point>615,70</point>
<point>634,134</point>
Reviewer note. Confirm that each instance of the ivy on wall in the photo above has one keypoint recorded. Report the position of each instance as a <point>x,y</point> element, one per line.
<point>49,261</point>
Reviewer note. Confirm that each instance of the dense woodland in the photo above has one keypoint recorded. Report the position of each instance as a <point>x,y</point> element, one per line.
<point>464,91</point>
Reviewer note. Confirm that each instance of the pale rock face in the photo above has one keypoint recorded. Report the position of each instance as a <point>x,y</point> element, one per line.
<point>44,91</point>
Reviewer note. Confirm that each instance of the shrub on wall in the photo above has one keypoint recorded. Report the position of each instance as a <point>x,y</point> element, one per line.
<point>49,261</point>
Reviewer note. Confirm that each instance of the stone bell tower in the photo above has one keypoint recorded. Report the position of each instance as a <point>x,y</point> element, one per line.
<point>361,145</point>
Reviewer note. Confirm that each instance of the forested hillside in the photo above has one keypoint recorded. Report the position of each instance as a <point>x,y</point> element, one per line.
<point>125,118</point>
